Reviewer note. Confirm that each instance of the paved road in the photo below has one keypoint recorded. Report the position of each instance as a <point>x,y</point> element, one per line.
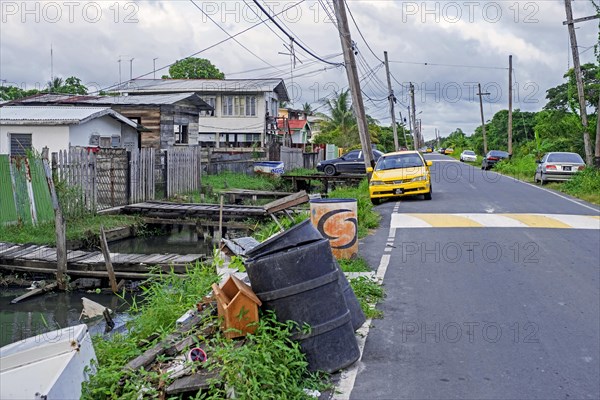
<point>484,312</point>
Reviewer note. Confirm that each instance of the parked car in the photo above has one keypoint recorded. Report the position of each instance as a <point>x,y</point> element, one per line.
<point>449,151</point>
<point>403,173</point>
<point>352,162</point>
<point>492,157</point>
<point>442,150</point>
<point>468,155</point>
<point>558,166</point>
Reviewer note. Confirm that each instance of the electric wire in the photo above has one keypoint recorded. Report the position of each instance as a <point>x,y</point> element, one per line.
<point>290,36</point>
<point>228,34</point>
<point>200,51</point>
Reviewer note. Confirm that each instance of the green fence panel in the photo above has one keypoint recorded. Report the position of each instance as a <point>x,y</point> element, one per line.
<point>19,173</point>
<point>8,210</point>
<point>41,192</point>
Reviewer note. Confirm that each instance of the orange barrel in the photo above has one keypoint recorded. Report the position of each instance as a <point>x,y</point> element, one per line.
<point>337,221</point>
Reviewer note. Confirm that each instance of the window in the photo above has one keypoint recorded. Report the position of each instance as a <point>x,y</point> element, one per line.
<point>20,143</point>
<point>227,105</point>
<point>239,106</point>
<point>353,155</point>
<point>181,134</point>
<point>105,141</point>
<point>211,101</point>
<point>115,141</point>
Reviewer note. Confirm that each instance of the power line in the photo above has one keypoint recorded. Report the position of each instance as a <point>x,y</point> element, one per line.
<point>360,33</point>
<point>447,65</point>
<point>290,36</point>
<point>203,50</point>
<point>228,34</point>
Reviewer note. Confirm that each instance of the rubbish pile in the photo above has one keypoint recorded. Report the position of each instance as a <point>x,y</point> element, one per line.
<point>294,274</point>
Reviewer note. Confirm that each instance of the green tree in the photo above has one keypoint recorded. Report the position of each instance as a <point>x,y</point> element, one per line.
<point>194,68</point>
<point>339,125</point>
<point>8,93</point>
<point>71,85</point>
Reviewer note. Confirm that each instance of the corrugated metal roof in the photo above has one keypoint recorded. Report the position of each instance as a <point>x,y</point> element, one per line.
<point>149,99</point>
<point>56,115</point>
<point>206,86</point>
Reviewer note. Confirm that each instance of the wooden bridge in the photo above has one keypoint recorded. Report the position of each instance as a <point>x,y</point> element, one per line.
<point>170,210</point>
<point>42,259</point>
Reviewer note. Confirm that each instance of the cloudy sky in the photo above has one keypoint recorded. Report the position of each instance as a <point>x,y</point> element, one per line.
<point>444,47</point>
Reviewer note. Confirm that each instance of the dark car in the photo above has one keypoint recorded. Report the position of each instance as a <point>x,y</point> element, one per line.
<point>492,157</point>
<point>352,162</point>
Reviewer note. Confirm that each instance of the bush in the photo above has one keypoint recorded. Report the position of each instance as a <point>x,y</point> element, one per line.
<point>585,184</point>
<point>518,167</point>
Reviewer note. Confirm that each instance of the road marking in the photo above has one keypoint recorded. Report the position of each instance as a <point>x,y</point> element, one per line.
<point>448,220</point>
<point>538,221</point>
<point>475,220</point>
<point>547,190</point>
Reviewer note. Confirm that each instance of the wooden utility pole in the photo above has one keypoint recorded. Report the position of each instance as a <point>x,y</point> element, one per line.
<point>392,99</point>
<point>485,149</point>
<point>403,130</point>
<point>413,115</point>
<point>597,151</point>
<point>352,72</point>
<point>579,79</point>
<point>510,94</point>
<point>410,129</point>
<point>59,227</point>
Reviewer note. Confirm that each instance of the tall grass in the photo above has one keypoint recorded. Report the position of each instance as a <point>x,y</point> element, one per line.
<point>522,167</point>
<point>585,185</point>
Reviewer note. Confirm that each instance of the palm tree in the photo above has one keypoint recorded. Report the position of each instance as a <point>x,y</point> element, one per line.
<point>340,122</point>
<point>307,108</point>
<point>55,85</point>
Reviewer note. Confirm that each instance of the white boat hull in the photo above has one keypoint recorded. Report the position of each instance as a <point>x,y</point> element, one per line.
<point>50,366</point>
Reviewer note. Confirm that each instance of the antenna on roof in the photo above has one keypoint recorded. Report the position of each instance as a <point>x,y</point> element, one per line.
<point>51,63</point>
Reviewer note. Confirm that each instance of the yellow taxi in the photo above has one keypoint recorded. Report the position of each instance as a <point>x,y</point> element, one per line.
<point>403,173</point>
<point>429,150</point>
<point>449,151</point>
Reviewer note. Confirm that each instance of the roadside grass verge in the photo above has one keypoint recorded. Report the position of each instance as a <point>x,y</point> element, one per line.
<point>584,185</point>
<point>368,293</point>
<point>522,168</point>
<point>79,228</point>
<point>358,264</point>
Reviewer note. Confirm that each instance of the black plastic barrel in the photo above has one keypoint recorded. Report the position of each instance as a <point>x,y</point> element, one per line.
<point>297,235</point>
<point>301,284</point>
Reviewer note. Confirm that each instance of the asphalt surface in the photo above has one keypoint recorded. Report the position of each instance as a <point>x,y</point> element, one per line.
<point>484,313</point>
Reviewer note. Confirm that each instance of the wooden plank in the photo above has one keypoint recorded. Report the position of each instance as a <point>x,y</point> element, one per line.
<point>35,292</point>
<point>286,202</point>
<point>109,267</point>
<point>192,383</point>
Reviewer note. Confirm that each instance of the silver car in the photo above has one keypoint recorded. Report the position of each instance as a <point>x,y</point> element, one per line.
<point>558,166</point>
<point>468,155</point>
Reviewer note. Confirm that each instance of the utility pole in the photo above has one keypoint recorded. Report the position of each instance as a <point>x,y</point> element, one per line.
<point>577,67</point>
<point>403,130</point>
<point>410,129</point>
<point>392,99</point>
<point>510,93</point>
<point>413,116</point>
<point>485,149</point>
<point>131,68</point>
<point>352,72</point>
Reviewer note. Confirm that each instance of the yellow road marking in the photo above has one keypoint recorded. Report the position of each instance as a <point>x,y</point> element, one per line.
<point>447,221</point>
<point>479,220</point>
<point>538,221</point>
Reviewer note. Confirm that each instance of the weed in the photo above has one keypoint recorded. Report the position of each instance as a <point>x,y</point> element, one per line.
<point>368,293</point>
<point>358,264</point>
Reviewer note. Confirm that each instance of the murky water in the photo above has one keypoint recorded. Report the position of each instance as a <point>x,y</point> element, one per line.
<point>51,311</point>
<point>179,239</point>
<point>58,310</point>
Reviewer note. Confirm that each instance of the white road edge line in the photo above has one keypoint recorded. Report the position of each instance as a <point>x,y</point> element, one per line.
<point>549,191</point>
<point>344,387</point>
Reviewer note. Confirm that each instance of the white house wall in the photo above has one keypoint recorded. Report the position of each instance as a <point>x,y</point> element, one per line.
<point>222,124</point>
<point>54,137</point>
<point>106,126</point>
